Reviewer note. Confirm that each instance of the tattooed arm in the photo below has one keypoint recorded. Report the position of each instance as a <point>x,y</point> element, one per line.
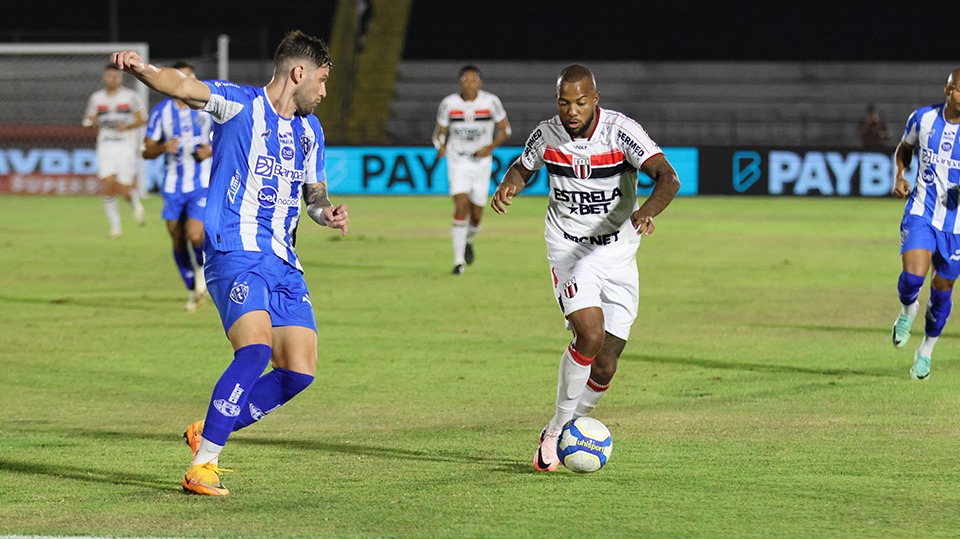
<point>321,210</point>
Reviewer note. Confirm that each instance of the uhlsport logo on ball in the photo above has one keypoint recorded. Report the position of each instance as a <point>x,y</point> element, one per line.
<point>585,445</point>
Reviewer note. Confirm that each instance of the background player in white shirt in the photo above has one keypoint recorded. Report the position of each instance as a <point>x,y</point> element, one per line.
<point>466,122</point>
<point>117,112</point>
<point>268,151</point>
<point>182,135</point>
<point>593,228</point>
<point>930,227</point>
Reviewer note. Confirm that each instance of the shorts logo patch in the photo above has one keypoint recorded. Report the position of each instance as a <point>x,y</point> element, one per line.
<point>903,236</point>
<point>570,288</point>
<point>202,202</point>
<point>306,299</point>
<point>239,292</point>
<point>955,256</point>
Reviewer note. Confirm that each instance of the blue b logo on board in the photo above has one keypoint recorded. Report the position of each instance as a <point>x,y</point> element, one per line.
<point>746,170</point>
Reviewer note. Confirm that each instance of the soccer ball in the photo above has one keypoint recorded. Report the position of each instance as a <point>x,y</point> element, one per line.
<point>585,445</point>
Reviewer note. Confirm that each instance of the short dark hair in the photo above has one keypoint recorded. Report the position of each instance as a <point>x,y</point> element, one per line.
<point>180,64</point>
<point>296,44</point>
<point>470,67</point>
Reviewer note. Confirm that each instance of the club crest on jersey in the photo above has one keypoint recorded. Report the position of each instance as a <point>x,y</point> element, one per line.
<point>239,292</point>
<point>581,167</point>
<point>306,144</point>
<point>570,288</point>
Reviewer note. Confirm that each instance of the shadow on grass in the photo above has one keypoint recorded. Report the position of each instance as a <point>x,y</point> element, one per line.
<point>125,303</point>
<point>755,367</point>
<point>317,446</point>
<point>61,471</point>
<point>383,452</point>
<point>831,329</point>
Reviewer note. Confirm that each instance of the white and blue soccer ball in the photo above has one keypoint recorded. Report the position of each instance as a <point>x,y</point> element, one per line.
<point>585,445</point>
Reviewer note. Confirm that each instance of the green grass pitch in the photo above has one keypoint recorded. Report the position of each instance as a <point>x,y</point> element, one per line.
<point>759,395</point>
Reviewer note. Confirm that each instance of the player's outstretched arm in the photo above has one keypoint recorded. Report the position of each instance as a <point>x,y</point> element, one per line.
<point>901,158</point>
<point>321,210</point>
<point>513,182</point>
<point>166,80</point>
<point>667,183</point>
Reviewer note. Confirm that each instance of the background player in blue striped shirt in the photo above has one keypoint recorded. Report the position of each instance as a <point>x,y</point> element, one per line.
<point>268,150</point>
<point>182,134</point>
<point>930,229</point>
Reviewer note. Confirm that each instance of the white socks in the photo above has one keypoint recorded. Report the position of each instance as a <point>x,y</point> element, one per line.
<point>458,231</point>
<point>113,212</point>
<point>571,381</point>
<point>590,398</point>
<point>910,310</point>
<point>472,231</point>
<point>926,345</point>
<point>208,452</point>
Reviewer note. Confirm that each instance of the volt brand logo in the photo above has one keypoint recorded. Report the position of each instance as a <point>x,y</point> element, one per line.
<point>268,197</point>
<point>746,170</point>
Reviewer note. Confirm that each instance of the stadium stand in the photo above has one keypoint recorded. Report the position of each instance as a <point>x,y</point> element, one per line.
<point>690,103</point>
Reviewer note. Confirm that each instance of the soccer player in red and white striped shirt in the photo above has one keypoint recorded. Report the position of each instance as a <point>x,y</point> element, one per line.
<point>594,225</point>
<point>470,124</point>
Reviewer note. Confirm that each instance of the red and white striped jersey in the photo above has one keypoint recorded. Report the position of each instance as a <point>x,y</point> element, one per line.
<point>593,185</point>
<point>113,111</point>
<point>471,124</point>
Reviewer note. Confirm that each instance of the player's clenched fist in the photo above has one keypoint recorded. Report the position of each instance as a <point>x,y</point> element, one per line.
<point>901,188</point>
<point>502,196</point>
<point>129,61</point>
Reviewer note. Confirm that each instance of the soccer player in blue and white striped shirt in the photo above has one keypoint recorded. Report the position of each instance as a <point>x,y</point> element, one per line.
<point>930,229</point>
<point>182,135</point>
<point>268,150</point>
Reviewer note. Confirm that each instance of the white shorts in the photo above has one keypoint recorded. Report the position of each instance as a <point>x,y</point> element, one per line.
<point>470,176</point>
<point>578,284</point>
<point>119,162</point>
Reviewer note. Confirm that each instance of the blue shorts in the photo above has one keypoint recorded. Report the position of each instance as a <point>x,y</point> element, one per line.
<point>193,204</point>
<point>240,282</point>
<point>917,233</point>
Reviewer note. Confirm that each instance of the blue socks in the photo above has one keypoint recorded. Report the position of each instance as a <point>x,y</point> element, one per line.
<point>182,258</point>
<point>231,392</point>
<point>909,287</point>
<point>938,310</point>
<point>270,392</point>
<point>198,254</point>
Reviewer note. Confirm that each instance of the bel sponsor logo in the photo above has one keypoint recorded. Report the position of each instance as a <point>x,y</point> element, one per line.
<point>268,197</point>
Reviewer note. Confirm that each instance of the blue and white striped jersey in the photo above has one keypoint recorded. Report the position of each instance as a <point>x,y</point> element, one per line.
<point>183,173</point>
<point>260,163</point>
<point>937,191</point>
